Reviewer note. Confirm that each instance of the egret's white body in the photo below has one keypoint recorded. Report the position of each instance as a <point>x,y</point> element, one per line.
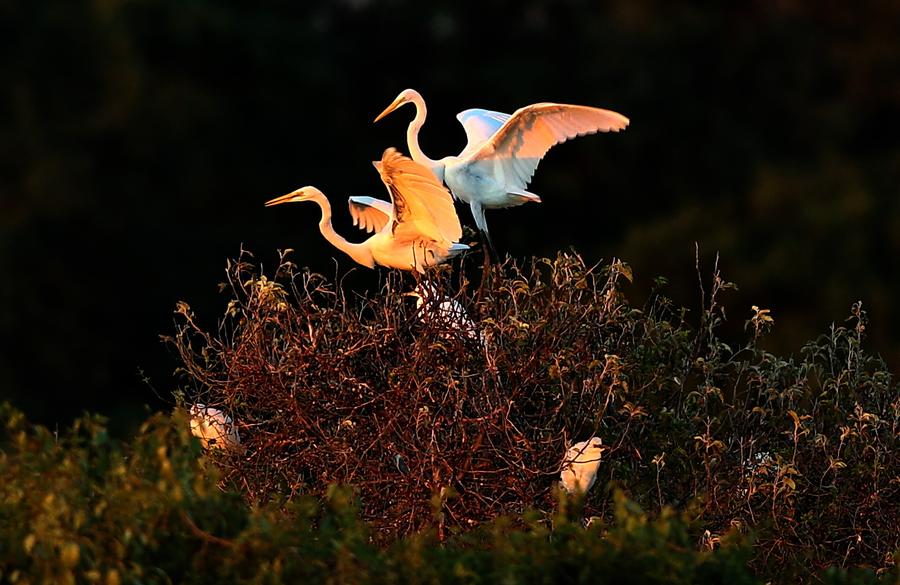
<point>580,465</point>
<point>214,428</point>
<point>444,311</point>
<point>419,228</point>
<point>502,150</point>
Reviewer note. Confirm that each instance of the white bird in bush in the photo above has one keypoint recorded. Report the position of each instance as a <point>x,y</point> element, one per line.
<point>419,228</point>
<point>761,465</point>
<point>214,428</point>
<point>580,465</point>
<point>503,150</point>
<point>443,311</point>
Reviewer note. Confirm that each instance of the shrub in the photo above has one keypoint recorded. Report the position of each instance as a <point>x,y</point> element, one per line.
<point>84,508</point>
<point>360,391</point>
<point>435,430</point>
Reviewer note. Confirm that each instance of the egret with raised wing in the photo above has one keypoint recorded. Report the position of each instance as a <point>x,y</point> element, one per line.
<point>419,228</point>
<point>503,150</point>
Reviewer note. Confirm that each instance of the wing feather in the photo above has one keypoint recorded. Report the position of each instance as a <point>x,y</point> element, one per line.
<point>421,204</point>
<point>480,125</point>
<point>517,147</point>
<point>370,214</point>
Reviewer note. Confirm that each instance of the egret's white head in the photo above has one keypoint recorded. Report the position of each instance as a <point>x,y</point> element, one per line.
<point>406,96</point>
<point>595,443</point>
<point>586,450</point>
<point>414,294</point>
<point>302,194</point>
<point>425,291</point>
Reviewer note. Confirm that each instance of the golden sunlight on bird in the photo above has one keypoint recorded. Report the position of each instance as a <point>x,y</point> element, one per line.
<point>419,228</point>
<point>443,311</point>
<point>503,151</point>
<point>214,428</point>
<point>580,465</point>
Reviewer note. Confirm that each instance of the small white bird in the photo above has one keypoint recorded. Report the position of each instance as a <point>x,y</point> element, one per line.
<point>419,228</point>
<point>580,465</point>
<point>503,150</point>
<point>443,311</point>
<point>214,428</point>
<point>759,469</point>
<point>761,463</point>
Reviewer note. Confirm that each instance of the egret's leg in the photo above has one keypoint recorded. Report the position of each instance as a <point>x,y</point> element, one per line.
<point>487,247</point>
<point>490,249</point>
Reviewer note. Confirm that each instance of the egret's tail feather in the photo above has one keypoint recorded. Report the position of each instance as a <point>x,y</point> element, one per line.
<point>457,248</point>
<point>526,196</point>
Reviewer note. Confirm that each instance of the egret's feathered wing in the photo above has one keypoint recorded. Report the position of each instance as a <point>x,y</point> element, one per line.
<point>514,151</point>
<point>369,214</point>
<point>480,125</point>
<point>422,206</point>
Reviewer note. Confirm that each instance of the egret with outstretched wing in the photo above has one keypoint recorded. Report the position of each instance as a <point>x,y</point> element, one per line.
<point>503,150</point>
<point>419,228</point>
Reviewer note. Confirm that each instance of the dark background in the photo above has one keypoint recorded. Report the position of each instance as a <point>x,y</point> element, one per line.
<point>139,140</point>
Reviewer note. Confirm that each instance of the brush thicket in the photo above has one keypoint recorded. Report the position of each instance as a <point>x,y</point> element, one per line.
<point>433,427</point>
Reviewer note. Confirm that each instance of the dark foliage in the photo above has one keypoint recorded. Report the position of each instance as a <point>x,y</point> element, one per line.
<point>139,140</point>
<point>83,508</point>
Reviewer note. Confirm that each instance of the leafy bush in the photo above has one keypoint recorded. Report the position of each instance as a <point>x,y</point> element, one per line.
<point>435,430</point>
<point>84,508</point>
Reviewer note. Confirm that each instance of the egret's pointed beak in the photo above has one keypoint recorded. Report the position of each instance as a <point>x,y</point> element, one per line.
<point>394,105</point>
<point>289,198</point>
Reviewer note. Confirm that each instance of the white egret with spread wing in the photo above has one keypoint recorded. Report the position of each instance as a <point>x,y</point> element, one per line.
<point>419,228</point>
<point>503,150</point>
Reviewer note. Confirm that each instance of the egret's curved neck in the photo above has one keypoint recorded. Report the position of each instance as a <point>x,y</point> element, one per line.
<point>359,252</point>
<point>412,138</point>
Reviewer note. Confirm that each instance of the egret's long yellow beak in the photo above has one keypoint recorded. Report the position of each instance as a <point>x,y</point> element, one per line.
<point>394,105</point>
<point>283,199</point>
